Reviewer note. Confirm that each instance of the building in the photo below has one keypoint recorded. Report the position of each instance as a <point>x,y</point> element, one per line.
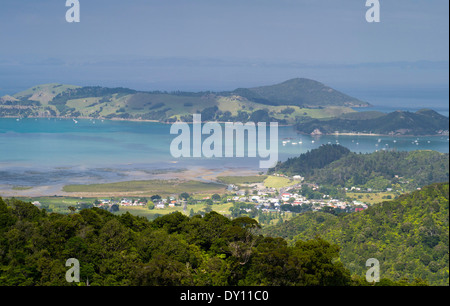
<point>298,178</point>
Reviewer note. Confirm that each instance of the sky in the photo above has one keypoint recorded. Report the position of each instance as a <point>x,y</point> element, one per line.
<point>197,45</point>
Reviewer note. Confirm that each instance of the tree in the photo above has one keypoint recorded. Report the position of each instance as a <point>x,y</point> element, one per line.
<point>185,196</point>
<point>215,197</point>
<point>155,197</point>
<point>114,208</point>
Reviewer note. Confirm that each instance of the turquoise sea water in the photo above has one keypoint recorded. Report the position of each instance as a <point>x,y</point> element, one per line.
<point>38,152</point>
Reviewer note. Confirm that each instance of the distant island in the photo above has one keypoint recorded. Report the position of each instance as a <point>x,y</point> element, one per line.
<point>424,122</point>
<point>287,103</point>
<point>311,106</point>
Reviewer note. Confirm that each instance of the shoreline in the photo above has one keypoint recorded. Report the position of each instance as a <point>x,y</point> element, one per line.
<point>121,119</point>
<point>371,134</point>
<point>222,122</point>
<point>200,174</point>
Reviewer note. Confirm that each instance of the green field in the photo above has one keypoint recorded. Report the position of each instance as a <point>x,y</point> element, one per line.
<point>58,204</point>
<point>21,188</point>
<point>241,180</point>
<point>151,214</point>
<point>372,198</point>
<point>149,187</point>
<point>62,204</point>
<point>278,182</point>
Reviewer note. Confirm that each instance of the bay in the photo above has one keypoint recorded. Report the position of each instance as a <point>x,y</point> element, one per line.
<point>41,152</point>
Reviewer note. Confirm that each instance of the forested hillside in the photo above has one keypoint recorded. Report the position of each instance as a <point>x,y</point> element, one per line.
<point>423,122</point>
<point>409,236</point>
<point>337,166</point>
<point>170,251</point>
<point>307,163</point>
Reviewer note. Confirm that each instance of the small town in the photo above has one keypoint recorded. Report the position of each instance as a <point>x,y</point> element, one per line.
<point>249,197</point>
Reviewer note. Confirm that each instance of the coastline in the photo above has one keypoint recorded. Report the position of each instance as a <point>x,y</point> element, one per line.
<point>197,174</point>
<point>223,122</point>
<point>120,119</point>
<point>371,134</point>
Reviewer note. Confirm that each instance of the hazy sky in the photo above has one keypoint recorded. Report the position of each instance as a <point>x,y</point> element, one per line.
<point>224,44</point>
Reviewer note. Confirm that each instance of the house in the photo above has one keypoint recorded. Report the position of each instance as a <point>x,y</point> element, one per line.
<point>298,178</point>
<point>126,202</point>
<point>36,203</point>
<point>160,206</point>
<point>273,200</point>
<point>286,196</point>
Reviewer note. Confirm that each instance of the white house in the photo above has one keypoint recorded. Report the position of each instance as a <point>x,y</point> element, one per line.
<point>298,178</point>
<point>286,196</point>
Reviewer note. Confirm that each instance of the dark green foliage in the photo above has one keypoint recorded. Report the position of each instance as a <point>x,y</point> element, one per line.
<point>423,122</point>
<point>378,170</point>
<point>307,163</point>
<point>260,116</point>
<point>173,250</point>
<point>209,113</point>
<point>409,235</point>
<point>335,165</point>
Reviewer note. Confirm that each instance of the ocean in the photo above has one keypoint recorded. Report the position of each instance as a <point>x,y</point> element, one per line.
<point>42,152</point>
